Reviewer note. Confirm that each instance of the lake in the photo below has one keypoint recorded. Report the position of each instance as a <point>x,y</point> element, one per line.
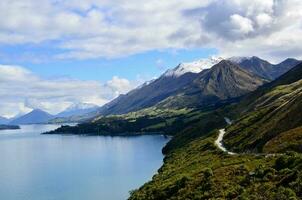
<point>57,167</point>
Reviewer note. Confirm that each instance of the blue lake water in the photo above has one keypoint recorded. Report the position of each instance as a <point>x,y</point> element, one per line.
<point>56,167</point>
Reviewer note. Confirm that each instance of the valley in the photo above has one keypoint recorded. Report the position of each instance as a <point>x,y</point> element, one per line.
<point>256,156</point>
<point>231,128</point>
<point>151,100</point>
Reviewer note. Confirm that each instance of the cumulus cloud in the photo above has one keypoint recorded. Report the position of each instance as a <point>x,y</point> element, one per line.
<point>98,28</point>
<point>22,91</point>
<point>119,85</point>
<point>270,28</point>
<point>102,28</point>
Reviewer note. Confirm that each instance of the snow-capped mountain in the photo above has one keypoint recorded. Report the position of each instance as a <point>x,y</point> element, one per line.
<point>193,67</point>
<point>239,59</point>
<point>78,109</point>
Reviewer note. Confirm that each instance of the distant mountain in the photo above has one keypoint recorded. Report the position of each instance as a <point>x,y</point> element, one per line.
<point>36,116</point>
<point>78,110</point>
<point>224,81</point>
<point>272,117</point>
<point>263,68</point>
<point>4,120</point>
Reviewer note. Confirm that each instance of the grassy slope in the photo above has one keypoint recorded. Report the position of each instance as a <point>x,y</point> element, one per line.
<point>151,120</point>
<point>275,112</point>
<point>195,169</point>
<point>198,170</point>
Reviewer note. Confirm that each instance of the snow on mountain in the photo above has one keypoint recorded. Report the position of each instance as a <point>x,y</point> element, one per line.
<point>193,67</point>
<point>80,106</point>
<point>239,59</point>
<point>78,109</point>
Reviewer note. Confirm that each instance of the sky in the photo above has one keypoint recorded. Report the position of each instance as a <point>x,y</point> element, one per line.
<point>55,53</point>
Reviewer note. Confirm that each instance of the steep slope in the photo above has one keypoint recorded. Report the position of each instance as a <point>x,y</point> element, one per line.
<point>148,95</point>
<point>169,89</point>
<point>34,117</point>
<point>153,92</point>
<point>263,68</point>
<point>224,81</point>
<point>194,168</point>
<point>78,109</point>
<point>274,112</point>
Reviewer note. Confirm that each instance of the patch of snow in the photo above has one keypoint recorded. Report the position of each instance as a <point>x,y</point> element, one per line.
<point>193,67</point>
<point>238,59</point>
<point>80,106</point>
<point>145,84</point>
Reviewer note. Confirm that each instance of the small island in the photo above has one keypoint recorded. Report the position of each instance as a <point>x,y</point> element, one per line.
<point>9,127</point>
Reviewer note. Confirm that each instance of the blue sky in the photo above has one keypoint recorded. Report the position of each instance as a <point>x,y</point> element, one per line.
<point>145,65</point>
<point>54,54</point>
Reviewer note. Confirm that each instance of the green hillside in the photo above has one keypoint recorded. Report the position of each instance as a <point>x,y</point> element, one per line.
<point>198,170</point>
<point>267,120</point>
<point>271,115</point>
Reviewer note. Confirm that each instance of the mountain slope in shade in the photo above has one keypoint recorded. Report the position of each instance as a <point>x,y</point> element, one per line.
<point>36,116</point>
<point>153,92</point>
<point>223,81</point>
<point>263,68</point>
<point>78,109</point>
<point>272,121</point>
<point>148,95</point>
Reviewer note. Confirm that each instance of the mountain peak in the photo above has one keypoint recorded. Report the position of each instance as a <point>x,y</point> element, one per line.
<point>192,67</point>
<point>36,116</point>
<point>37,110</point>
<point>262,67</point>
<point>240,59</point>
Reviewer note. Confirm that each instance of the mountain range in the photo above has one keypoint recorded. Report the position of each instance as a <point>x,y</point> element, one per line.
<point>199,83</point>
<point>263,68</point>
<point>189,85</point>
<point>75,111</point>
<point>266,132</point>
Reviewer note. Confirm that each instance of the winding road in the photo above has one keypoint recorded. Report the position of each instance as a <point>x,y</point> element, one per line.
<point>219,143</point>
<point>219,140</point>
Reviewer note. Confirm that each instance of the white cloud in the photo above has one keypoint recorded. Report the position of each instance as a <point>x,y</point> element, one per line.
<point>119,85</point>
<point>102,28</point>
<point>269,29</point>
<point>264,19</point>
<point>240,25</point>
<point>21,91</point>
